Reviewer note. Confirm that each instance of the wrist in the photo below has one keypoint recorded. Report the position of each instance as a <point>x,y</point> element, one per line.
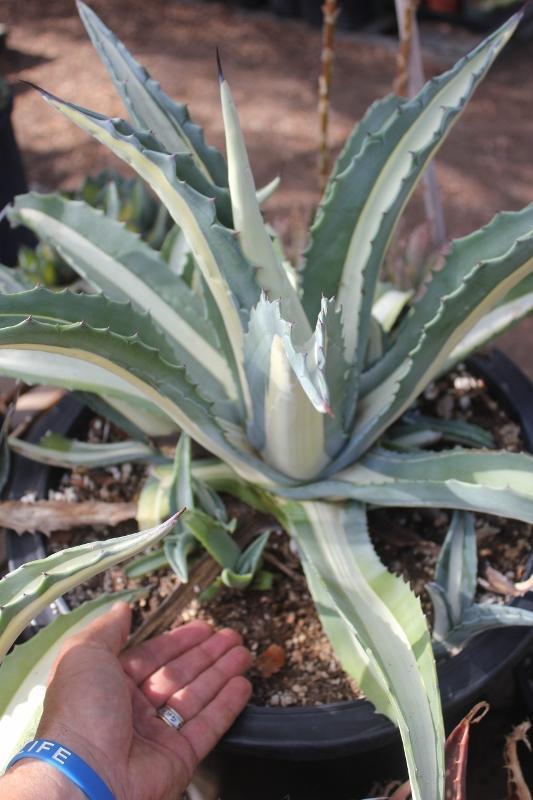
<point>84,749</point>
<point>28,779</point>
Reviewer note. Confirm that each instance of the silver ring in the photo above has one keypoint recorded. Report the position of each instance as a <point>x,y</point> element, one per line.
<point>171,717</point>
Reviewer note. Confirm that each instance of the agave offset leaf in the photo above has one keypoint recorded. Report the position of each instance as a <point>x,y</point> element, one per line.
<point>418,430</point>
<point>24,672</point>
<point>456,569</point>
<point>147,563</point>
<point>481,617</point>
<point>492,482</point>
<point>209,501</point>
<point>118,263</point>
<point>148,106</point>
<point>358,217</point>
<point>135,365</point>
<point>289,394</point>
<point>153,504</point>
<point>59,451</point>
<point>388,631</point>
<point>471,282</point>
<point>215,537</point>
<point>217,475</point>
<point>181,542</point>
<point>247,566</point>
<point>29,589</point>
<point>218,255</point>
<point>248,221</point>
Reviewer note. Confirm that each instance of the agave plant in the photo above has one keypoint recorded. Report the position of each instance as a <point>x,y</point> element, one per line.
<point>292,381</point>
<point>456,616</point>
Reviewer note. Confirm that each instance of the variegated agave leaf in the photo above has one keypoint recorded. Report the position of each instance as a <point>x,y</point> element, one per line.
<point>382,619</point>
<point>417,430</point>
<point>149,107</point>
<point>493,482</point>
<point>358,216</point>
<point>30,588</point>
<point>129,363</point>
<point>480,270</point>
<point>253,235</point>
<point>289,391</point>
<point>228,274</point>
<point>24,672</point>
<point>514,307</point>
<point>171,317</point>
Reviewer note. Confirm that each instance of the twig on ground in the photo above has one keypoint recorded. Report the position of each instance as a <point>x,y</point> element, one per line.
<point>46,516</point>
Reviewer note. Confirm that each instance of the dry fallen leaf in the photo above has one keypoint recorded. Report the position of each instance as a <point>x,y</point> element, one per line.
<point>456,759</point>
<point>45,516</point>
<point>499,583</point>
<point>270,660</point>
<point>516,784</point>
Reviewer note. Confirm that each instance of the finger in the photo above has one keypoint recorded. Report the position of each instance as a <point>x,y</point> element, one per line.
<point>182,670</point>
<point>111,629</point>
<point>146,658</point>
<point>205,729</point>
<point>190,700</point>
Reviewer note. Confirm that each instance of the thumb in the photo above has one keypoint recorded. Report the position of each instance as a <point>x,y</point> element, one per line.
<point>111,629</point>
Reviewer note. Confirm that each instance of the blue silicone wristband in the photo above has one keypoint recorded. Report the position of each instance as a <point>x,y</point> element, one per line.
<point>67,762</point>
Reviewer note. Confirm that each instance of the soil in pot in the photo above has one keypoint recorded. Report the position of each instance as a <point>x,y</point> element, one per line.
<point>295,664</point>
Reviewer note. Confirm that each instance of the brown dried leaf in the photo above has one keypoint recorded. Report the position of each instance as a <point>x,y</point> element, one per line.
<point>457,753</point>
<point>456,759</point>
<point>516,784</point>
<point>270,660</point>
<point>46,516</point>
<point>499,583</point>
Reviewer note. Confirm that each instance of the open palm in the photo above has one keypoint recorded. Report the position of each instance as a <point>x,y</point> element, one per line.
<point>103,705</point>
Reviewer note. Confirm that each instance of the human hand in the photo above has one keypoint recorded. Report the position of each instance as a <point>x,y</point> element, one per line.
<point>103,705</point>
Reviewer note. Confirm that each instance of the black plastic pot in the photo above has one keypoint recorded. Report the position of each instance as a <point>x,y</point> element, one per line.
<point>337,750</point>
<point>13,182</point>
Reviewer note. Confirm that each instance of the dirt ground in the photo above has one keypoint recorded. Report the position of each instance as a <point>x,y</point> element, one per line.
<point>486,165</point>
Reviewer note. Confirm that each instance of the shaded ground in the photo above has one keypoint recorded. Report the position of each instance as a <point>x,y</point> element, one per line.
<point>486,165</point>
